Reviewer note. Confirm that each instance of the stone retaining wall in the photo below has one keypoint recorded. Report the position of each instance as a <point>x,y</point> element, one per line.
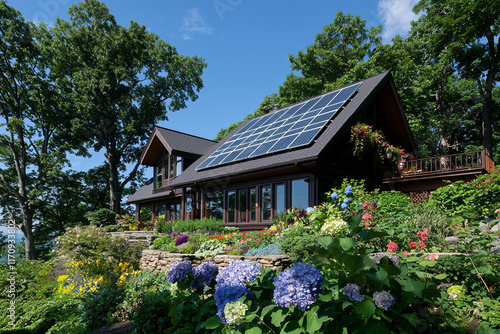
<point>156,260</point>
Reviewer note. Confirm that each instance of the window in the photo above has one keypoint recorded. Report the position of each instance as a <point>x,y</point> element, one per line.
<point>242,208</point>
<point>253,203</point>
<point>214,204</point>
<point>279,193</point>
<point>175,210</point>
<point>266,202</point>
<point>171,166</point>
<point>231,206</point>
<point>158,176</point>
<point>178,166</point>
<point>300,193</point>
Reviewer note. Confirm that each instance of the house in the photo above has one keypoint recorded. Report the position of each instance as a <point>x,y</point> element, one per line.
<point>285,159</point>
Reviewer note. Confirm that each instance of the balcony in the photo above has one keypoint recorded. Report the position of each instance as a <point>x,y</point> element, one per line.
<point>419,177</point>
<point>461,162</point>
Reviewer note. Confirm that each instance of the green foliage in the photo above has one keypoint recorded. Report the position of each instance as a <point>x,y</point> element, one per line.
<point>393,205</point>
<point>101,217</point>
<point>472,200</point>
<point>200,225</point>
<point>300,248</point>
<point>271,249</point>
<point>210,248</point>
<point>91,251</point>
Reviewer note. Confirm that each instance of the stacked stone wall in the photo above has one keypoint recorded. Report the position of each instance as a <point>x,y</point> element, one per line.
<point>157,261</point>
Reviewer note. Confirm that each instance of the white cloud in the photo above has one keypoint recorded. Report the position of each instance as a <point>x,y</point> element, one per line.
<point>397,16</point>
<point>194,24</point>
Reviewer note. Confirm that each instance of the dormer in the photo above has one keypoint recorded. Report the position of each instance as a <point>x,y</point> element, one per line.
<point>170,153</point>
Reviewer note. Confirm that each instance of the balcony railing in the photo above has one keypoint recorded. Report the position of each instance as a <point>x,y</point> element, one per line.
<point>447,163</point>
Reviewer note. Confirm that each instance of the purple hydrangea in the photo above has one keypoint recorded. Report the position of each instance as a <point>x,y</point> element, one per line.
<point>393,257</point>
<point>351,291</point>
<point>178,271</point>
<point>298,285</point>
<point>383,299</point>
<point>181,238</point>
<point>204,273</point>
<point>231,283</point>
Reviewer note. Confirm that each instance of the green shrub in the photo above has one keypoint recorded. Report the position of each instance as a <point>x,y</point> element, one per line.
<point>205,225</point>
<point>393,204</point>
<point>300,248</point>
<point>101,217</point>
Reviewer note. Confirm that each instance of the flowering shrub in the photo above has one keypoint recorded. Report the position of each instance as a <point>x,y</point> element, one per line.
<point>235,312</point>
<point>179,271</point>
<point>182,238</point>
<point>205,273</point>
<point>351,291</point>
<point>231,283</point>
<point>383,299</point>
<point>333,227</point>
<point>298,285</point>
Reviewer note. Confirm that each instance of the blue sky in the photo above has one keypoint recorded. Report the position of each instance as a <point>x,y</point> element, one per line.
<point>245,44</point>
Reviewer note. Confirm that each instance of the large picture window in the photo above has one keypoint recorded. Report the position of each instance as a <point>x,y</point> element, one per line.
<point>231,206</point>
<point>214,205</point>
<point>280,198</point>
<point>300,193</point>
<point>242,207</point>
<point>266,202</point>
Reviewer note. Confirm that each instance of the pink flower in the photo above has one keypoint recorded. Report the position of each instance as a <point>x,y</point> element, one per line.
<point>422,235</point>
<point>433,257</point>
<point>405,254</point>
<point>392,247</point>
<point>367,216</point>
<point>413,245</point>
<point>367,225</point>
<point>421,244</point>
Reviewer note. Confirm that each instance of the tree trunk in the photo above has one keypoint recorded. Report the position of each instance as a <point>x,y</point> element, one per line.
<point>26,228</point>
<point>486,120</point>
<point>115,191</point>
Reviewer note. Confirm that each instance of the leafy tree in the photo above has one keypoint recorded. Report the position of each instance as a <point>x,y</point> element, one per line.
<point>466,34</point>
<point>123,80</point>
<point>333,60</point>
<point>34,119</point>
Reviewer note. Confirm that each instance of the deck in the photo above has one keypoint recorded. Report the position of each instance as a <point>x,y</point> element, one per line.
<point>420,177</point>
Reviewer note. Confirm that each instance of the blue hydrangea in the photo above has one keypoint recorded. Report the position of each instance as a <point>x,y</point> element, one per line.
<point>348,190</point>
<point>309,209</point>
<point>343,206</point>
<point>383,299</point>
<point>178,271</point>
<point>227,294</point>
<point>238,272</point>
<point>334,196</point>
<point>204,273</point>
<point>231,283</point>
<point>298,285</point>
<point>351,291</point>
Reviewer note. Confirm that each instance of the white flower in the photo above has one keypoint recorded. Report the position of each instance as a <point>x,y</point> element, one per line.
<point>333,227</point>
<point>455,291</point>
<point>235,312</point>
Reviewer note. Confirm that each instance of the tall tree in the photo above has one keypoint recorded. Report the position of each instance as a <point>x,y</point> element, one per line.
<point>466,33</point>
<point>34,116</point>
<point>123,81</point>
<point>334,58</point>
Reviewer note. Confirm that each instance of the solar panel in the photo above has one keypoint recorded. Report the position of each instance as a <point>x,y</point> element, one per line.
<point>293,126</point>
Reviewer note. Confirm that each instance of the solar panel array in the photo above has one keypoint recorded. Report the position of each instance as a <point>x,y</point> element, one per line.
<point>290,127</point>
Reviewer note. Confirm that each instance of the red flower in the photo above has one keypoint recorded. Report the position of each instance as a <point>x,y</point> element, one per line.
<point>392,247</point>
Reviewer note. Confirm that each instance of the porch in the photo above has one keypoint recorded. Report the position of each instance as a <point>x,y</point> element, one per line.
<point>419,177</point>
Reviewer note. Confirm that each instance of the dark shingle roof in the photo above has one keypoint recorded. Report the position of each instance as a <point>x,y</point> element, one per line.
<point>177,143</point>
<point>367,92</point>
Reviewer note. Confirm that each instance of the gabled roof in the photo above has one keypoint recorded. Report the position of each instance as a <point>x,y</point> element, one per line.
<point>176,143</point>
<point>145,193</point>
<point>370,88</point>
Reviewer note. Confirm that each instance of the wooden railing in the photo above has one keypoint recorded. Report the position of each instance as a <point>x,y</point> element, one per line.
<point>445,163</point>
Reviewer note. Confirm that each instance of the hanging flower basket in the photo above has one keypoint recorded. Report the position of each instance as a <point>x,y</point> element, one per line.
<point>364,138</point>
